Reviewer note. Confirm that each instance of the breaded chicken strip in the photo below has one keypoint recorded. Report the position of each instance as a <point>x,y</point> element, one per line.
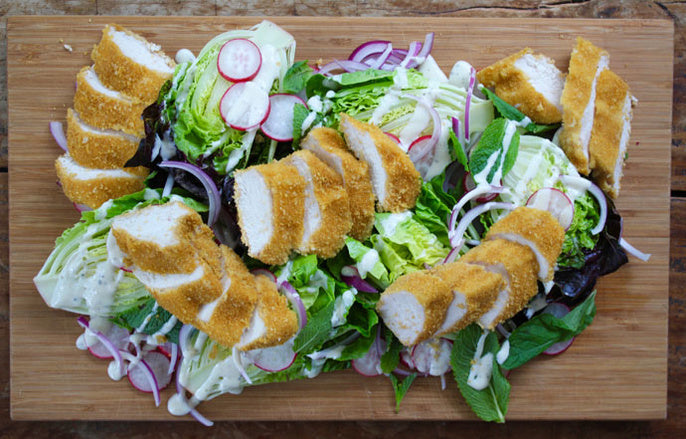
<point>273,322</point>
<point>271,205</point>
<point>327,216</point>
<point>104,108</point>
<point>329,147</point>
<point>578,101</point>
<point>517,265</point>
<point>536,229</point>
<point>92,147</point>
<point>93,187</point>
<point>611,131</point>
<point>529,82</point>
<point>395,180</point>
<point>414,306</point>
<point>474,292</point>
<point>128,63</point>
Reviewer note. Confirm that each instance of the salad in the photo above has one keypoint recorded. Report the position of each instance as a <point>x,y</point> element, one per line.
<point>245,101</point>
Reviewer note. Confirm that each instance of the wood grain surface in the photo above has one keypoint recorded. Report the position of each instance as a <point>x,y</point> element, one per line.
<point>616,370</point>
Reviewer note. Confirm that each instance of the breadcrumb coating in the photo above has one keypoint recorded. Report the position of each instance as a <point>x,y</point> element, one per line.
<point>330,147</point>
<point>94,192</point>
<point>512,85</point>
<point>333,203</point>
<point>539,227</point>
<point>479,286</point>
<point>431,292</point>
<point>516,263</point>
<point>287,188</point>
<point>124,74</point>
<point>98,150</point>
<point>608,127</point>
<point>107,112</point>
<point>280,321</point>
<point>403,181</point>
<point>575,97</point>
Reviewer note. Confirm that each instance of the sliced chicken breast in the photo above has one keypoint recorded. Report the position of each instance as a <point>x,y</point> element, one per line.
<point>395,181</point>
<point>578,101</point>
<point>271,205</point>
<point>536,229</point>
<point>128,63</point>
<point>330,148</point>
<point>528,81</point>
<point>327,216</point>
<point>414,306</point>
<point>93,187</point>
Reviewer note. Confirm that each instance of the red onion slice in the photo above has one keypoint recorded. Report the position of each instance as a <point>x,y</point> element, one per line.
<point>409,61</point>
<point>436,132</point>
<point>426,47</point>
<point>597,194</point>
<point>370,48</point>
<point>184,334</point>
<point>351,276</point>
<point>173,357</point>
<point>381,60</point>
<point>633,250</point>
<point>296,302</point>
<point>263,272</point>
<point>57,131</point>
<point>346,65</point>
<point>193,411</point>
<point>468,102</point>
<point>207,182</point>
<point>479,191</point>
<point>107,343</point>
<point>457,238</point>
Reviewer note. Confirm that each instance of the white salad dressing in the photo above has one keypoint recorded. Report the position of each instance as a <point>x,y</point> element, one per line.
<point>482,367</point>
<point>368,262</point>
<point>391,222</point>
<point>184,56</point>
<point>341,307</point>
<point>503,352</point>
<point>482,176</point>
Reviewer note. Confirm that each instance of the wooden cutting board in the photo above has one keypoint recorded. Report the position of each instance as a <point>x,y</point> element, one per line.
<point>616,370</point>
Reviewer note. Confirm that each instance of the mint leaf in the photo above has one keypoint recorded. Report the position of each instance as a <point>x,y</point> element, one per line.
<point>316,332</point>
<point>391,358</point>
<point>544,330</point>
<point>489,404</point>
<point>156,317</point>
<point>490,143</point>
<point>508,111</point>
<point>401,387</point>
<point>296,77</point>
<point>300,113</point>
<point>457,150</point>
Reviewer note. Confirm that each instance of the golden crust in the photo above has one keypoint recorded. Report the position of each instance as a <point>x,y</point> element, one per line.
<point>96,150</point>
<point>537,226</point>
<point>106,112</point>
<point>287,189</point>
<point>479,287</point>
<point>333,206</point>
<point>181,257</point>
<point>94,192</point>
<point>184,301</point>
<point>355,176</point>
<point>235,308</point>
<point>431,291</point>
<point>575,97</point>
<point>608,123</point>
<point>280,321</point>
<point>119,72</point>
<point>403,181</point>
<point>512,85</point>
<point>518,261</point>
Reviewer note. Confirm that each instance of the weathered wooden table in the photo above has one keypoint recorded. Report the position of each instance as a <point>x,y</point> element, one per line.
<point>674,426</point>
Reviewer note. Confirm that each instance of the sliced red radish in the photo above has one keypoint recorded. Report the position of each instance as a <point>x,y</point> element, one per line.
<point>406,358</point>
<point>244,106</point>
<point>155,363</point>
<point>432,356</point>
<point>395,138</point>
<point>559,348</point>
<point>554,201</point>
<point>370,363</point>
<point>558,310</point>
<point>279,123</point>
<point>118,338</point>
<point>239,60</point>
<point>275,358</point>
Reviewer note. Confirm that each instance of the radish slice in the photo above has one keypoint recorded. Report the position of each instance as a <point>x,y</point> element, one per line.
<point>420,153</point>
<point>559,348</point>
<point>554,201</point>
<point>395,138</point>
<point>57,131</point>
<point>432,356</point>
<point>239,60</point>
<point>279,123</point>
<point>117,336</point>
<point>155,363</point>
<point>406,358</point>
<point>369,364</point>
<point>275,358</point>
<point>244,106</point>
